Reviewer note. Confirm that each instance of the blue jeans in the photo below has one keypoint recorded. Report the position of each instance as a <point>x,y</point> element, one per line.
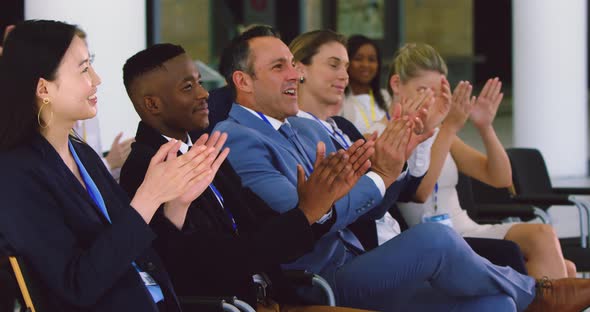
<point>428,268</point>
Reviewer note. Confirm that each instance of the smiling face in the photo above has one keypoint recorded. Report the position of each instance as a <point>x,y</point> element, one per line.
<point>274,83</point>
<point>177,98</point>
<point>364,65</point>
<point>72,94</point>
<point>326,77</point>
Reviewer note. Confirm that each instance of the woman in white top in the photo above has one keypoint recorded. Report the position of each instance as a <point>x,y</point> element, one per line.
<point>365,103</point>
<point>419,66</point>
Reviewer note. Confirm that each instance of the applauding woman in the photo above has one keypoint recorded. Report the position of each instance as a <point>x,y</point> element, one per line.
<point>86,243</point>
<point>419,66</point>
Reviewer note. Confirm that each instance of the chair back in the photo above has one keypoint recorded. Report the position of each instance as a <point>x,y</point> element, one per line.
<point>465,194</point>
<point>529,172</point>
<point>32,295</point>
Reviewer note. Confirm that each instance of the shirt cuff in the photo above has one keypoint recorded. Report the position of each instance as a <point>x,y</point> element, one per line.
<point>378,182</point>
<point>325,217</point>
<point>419,161</point>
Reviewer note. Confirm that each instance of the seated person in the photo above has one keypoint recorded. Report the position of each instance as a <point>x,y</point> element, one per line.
<point>316,99</point>
<point>428,267</point>
<point>86,244</point>
<point>418,64</point>
<point>89,131</point>
<point>215,245</point>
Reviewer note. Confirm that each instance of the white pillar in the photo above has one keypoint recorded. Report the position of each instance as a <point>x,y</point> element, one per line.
<point>116,30</point>
<point>551,81</point>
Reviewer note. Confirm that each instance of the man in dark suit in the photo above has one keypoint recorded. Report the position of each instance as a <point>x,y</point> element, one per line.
<point>216,245</point>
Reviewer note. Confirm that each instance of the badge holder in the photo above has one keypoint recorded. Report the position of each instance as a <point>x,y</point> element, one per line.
<point>435,216</point>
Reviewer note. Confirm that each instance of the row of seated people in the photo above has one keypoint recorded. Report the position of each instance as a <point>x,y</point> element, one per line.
<point>279,203</point>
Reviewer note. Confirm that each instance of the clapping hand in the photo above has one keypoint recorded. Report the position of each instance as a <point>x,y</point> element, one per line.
<point>486,105</point>
<point>332,178</point>
<point>461,107</point>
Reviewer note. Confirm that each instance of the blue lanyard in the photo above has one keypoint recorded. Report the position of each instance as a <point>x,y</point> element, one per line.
<point>231,217</point>
<point>332,134</point>
<point>151,285</point>
<point>387,115</point>
<point>308,164</point>
<point>435,196</point>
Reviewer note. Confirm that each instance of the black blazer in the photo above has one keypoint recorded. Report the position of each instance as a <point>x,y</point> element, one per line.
<point>80,260</point>
<point>207,257</point>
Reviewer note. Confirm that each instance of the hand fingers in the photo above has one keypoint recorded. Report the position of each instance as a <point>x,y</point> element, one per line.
<point>320,153</point>
<point>213,139</point>
<point>360,154</point>
<point>117,139</point>
<point>486,88</point>
<point>220,159</point>
<point>300,177</point>
<point>396,111</point>
<point>334,164</point>
<point>202,139</point>
<point>497,89</point>
<point>7,31</point>
<point>220,142</point>
<point>164,150</point>
<point>195,156</point>
<point>418,126</point>
<point>173,152</point>
<point>128,141</point>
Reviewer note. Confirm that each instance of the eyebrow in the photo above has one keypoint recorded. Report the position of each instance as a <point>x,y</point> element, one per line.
<point>84,61</point>
<point>278,60</point>
<point>191,78</point>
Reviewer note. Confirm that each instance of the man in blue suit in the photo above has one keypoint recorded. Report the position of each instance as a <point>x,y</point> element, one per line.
<point>428,267</point>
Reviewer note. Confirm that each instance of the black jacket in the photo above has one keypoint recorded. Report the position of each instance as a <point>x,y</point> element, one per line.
<point>80,260</point>
<point>207,257</point>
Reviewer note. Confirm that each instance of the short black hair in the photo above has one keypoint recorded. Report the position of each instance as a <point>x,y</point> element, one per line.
<point>237,54</point>
<point>147,60</point>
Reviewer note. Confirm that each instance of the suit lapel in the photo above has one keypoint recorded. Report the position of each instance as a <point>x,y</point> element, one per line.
<point>246,118</point>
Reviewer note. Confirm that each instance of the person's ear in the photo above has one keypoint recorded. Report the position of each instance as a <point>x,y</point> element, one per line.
<point>152,104</point>
<point>394,84</point>
<point>42,90</point>
<point>243,81</point>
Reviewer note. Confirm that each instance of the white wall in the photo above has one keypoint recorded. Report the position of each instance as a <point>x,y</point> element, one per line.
<point>116,30</point>
<point>550,82</point>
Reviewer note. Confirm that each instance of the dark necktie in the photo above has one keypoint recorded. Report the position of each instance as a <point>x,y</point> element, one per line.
<point>288,132</point>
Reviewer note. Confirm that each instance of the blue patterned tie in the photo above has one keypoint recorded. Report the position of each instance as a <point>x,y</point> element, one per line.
<point>288,132</point>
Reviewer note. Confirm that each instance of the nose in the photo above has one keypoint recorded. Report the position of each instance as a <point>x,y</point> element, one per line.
<point>202,93</point>
<point>94,77</point>
<point>292,73</point>
<point>343,74</point>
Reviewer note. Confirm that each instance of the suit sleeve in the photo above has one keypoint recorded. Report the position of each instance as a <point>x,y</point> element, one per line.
<point>35,222</point>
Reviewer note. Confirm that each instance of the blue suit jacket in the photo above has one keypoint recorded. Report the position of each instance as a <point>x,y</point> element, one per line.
<point>267,163</point>
<point>80,260</point>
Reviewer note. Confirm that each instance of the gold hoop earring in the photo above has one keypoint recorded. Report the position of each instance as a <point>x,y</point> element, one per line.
<point>45,102</point>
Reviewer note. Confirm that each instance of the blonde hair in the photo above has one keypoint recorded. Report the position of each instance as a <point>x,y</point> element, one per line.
<point>412,58</point>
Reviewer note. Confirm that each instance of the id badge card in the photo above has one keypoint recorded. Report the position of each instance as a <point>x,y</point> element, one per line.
<point>442,218</point>
<point>147,279</point>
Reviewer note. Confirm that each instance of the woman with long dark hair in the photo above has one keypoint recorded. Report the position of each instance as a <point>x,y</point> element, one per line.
<point>84,241</point>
